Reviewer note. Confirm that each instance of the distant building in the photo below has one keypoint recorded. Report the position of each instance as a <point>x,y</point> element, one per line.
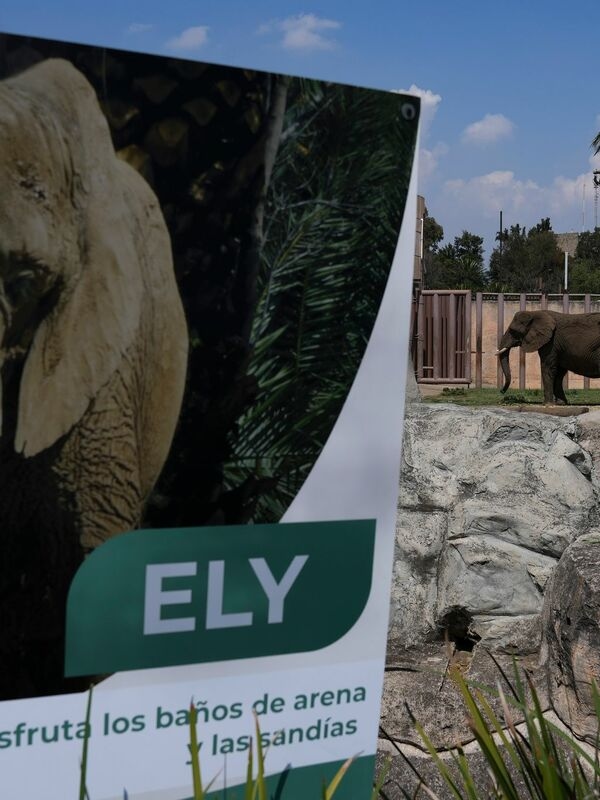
<point>419,267</point>
<point>567,242</point>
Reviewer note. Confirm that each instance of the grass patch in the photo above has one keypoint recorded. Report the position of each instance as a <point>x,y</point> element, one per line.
<point>494,397</point>
<point>532,760</point>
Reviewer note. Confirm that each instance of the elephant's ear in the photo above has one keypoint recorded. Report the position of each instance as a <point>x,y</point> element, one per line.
<point>105,226</point>
<point>78,347</point>
<point>539,332</point>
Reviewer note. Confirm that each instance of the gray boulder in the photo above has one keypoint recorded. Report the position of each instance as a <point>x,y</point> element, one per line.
<point>489,501</point>
<point>571,631</point>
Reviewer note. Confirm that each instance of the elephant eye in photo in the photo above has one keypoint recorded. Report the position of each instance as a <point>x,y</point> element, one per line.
<point>25,282</point>
<point>19,287</point>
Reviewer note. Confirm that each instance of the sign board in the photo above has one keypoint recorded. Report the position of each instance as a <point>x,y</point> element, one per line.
<point>206,279</point>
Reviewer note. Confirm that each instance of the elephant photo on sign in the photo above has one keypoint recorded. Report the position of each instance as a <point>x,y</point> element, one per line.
<point>93,355</point>
<point>188,284</point>
<point>565,343</point>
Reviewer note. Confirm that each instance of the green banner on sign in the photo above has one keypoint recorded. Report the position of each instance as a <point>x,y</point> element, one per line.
<point>157,598</point>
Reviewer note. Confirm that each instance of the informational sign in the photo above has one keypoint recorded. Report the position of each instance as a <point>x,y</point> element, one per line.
<point>206,281</point>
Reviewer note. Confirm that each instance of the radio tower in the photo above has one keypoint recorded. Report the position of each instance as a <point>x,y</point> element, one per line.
<point>596,190</point>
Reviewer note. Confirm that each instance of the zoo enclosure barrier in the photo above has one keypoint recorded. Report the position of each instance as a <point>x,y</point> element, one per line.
<point>455,335</point>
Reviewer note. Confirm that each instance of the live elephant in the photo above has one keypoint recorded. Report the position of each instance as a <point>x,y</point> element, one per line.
<point>565,343</point>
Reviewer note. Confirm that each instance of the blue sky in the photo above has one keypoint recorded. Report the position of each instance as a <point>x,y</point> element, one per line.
<point>510,94</point>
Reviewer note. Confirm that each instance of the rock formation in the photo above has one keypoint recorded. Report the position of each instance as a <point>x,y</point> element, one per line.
<point>489,501</point>
<point>497,551</point>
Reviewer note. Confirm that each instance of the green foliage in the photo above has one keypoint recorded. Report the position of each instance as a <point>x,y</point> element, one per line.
<point>380,779</point>
<point>526,261</point>
<point>458,265</point>
<point>254,788</point>
<point>195,757</point>
<point>515,398</point>
<point>493,397</point>
<point>533,759</point>
<point>333,212</point>
<point>584,276</point>
<point>584,268</point>
<point>83,792</point>
<point>588,246</point>
<point>433,233</point>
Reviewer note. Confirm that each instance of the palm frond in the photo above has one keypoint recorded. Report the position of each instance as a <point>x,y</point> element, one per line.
<point>332,218</point>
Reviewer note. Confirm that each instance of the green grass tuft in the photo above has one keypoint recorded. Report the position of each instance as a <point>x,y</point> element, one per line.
<point>494,397</point>
<point>532,759</point>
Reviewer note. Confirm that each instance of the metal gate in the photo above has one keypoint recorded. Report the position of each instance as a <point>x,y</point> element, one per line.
<point>441,344</point>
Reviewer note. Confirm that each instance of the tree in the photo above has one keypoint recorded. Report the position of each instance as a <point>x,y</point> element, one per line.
<point>588,247</point>
<point>334,207</point>
<point>433,233</point>
<point>459,265</point>
<point>584,268</point>
<point>545,258</point>
<point>526,261</point>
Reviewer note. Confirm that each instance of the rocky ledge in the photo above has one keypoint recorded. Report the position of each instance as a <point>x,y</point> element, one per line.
<point>497,551</point>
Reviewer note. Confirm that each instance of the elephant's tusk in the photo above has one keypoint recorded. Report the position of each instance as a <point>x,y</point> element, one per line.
<point>499,352</point>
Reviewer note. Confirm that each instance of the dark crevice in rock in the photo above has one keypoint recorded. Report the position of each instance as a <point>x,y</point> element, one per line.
<point>456,626</point>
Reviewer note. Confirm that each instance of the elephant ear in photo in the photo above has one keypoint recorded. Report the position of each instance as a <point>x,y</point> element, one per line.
<point>109,239</point>
<point>539,333</point>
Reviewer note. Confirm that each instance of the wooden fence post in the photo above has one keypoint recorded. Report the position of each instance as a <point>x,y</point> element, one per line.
<point>436,336</point>
<point>500,331</point>
<point>479,340</point>
<point>451,337</point>
<point>587,307</point>
<point>420,336</point>
<point>467,337</point>
<point>522,306</point>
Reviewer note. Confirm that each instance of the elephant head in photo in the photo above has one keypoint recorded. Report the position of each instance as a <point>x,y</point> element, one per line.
<point>93,340</point>
<point>565,342</point>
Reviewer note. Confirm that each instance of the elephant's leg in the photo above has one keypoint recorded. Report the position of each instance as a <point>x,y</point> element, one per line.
<point>559,392</point>
<point>549,372</point>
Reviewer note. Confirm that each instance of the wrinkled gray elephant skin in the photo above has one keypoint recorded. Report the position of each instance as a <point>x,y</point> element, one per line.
<point>93,353</point>
<point>565,343</point>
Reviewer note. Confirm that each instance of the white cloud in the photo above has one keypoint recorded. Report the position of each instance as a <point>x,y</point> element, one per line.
<point>429,157</point>
<point>475,203</point>
<point>140,27</point>
<point>429,160</point>
<point>493,191</point>
<point>527,200</point>
<point>189,39</point>
<point>303,32</point>
<point>488,130</point>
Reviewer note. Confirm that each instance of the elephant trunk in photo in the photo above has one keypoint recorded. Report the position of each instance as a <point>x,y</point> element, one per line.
<point>93,356</point>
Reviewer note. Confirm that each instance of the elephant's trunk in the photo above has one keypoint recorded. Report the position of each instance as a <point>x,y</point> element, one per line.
<point>505,365</point>
<point>4,323</point>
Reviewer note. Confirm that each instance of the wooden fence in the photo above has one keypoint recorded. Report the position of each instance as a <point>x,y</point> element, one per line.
<point>446,323</point>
